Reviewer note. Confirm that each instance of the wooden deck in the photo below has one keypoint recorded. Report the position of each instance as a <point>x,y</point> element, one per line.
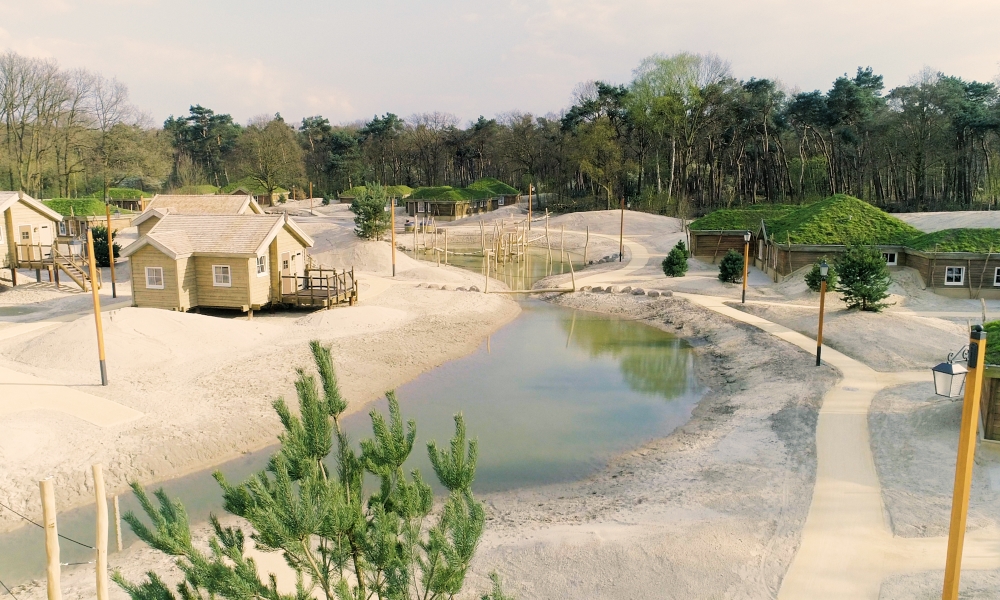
<point>319,288</point>
<point>48,258</point>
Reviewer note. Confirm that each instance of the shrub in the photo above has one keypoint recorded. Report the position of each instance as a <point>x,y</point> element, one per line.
<point>100,234</point>
<point>675,264</point>
<point>731,267</point>
<point>864,278</point>
<point>343,539</point>
<point>371,219</point>
<point>813,277</point>
<point>326,200</point>
<point>992,329</point>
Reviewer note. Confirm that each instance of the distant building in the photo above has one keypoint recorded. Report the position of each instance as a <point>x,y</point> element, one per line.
<point>28,232</point>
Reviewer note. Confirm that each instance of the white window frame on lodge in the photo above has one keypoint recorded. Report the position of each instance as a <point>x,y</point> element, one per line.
<point>261,266</point>
<point>950,274</point>
<point>891,258</point>
<point>996,277</point>
<point>226,273</point>
<point>152,273</point>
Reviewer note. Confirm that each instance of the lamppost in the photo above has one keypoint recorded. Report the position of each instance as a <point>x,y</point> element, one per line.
<point>746,263</point>
<point>824,270</point>
<point>949,379</point>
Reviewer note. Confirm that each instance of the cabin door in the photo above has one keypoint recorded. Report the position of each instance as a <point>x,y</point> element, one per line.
<point>45,239</point>
<point>25,241</point>
<point>287,284</point>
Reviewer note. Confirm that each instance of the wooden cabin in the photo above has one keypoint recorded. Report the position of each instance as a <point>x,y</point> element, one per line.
<point>205,204</point>
<point>28,232</point>
<point>240,262</point>
<point>450,210</point>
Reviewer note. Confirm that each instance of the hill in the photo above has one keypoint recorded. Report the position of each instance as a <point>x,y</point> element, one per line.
<point>446,192</point>
<point>958,240</point>
<point>841,219</point>
<point>393,191</point>
<point>493,186</point>
<point>742,218</point>
<point>81,207</point>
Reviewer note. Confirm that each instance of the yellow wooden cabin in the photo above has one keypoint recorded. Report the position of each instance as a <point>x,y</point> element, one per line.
<point>29,229</point>
<point>205,204</point>
<point>240,262</point>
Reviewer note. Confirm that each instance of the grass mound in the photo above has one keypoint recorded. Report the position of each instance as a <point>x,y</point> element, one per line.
<point>493,186</point>
<point>393,191</point>
<point>120,194</point>
<point>196,190</point>
<point>251,186</point>
<point>959,240</point>
<point>81,207</point>
<point>842,219</point>
<point>742,218</point>
<point>446,192</point>
<point>992,342</point>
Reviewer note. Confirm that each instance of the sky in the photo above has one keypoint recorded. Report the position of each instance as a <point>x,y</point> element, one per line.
<point>349,61</point>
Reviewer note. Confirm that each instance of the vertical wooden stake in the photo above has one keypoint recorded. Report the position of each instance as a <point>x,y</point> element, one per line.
<point>572,274</point>
<point>97,306</point>
<point>446,247</point>
<point>586,244</point>
<point>392,228</point>
<point>621,235</point>
<point>51,539</point>
<point>486,287</point>
<point>966,459</point>
<point>118,525</point>
<point>111,251</point>
<point>562,243</point>
<point>548,246</point>
<point>102,533</point>
<point>819,334</point>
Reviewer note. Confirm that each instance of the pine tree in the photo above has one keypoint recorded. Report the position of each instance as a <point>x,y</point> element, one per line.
<point>813,276</point>
<point>731,267</point>
<point>347,546</point>
<point>864,278</point>
<point>100,234</point>
<point>675,263</point>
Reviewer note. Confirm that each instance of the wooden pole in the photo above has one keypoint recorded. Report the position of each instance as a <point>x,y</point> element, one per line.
<point>102,533</point>
<point>746,268</point>
<point>118,525</point>
<point>963,467</point>
<point>446,247</point>
<point>548,246</point>
<point>529,206</point>
<point>621,235</point>
<point>486,287</point>
<point>51,539</point>
<point>392,228</point>
<point>111,251</point>
<point>562,243</point>
<point>97,306</point>
<point>586,244</point>
<point>572,274</point>
<point>822,306</point>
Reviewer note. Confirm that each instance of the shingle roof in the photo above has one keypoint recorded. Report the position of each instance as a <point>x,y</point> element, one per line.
<point>8,199</point>
<point>210,204</point>
<point>184,235</point>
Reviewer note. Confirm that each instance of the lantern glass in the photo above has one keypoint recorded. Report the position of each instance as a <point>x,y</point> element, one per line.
<point>824,269</point>
<point>746,237</point>
<point>949,379</point>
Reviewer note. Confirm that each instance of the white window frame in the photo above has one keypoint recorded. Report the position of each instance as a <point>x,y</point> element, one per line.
<point>996,277</point>
<point>262,266</point>
<point>25,236</point>
<point>220,270</point>
<point>150,271</point>
<point>63,230</point>
<point>420,207</point>
<point>894,261</point>
<point>961,275</point>
<point>500,202</point>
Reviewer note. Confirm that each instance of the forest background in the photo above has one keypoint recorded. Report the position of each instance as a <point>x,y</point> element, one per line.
<point>682,138</point>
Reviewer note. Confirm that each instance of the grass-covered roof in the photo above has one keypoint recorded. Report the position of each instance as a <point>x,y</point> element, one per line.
<point>116,193</point>
<point>493,186</point>
<point>841,219</point>
<point>196,190</point>
<point>742,218</point>
<point>82,207</point>
<point>958,240</point>
<point>393,191</point>
<point>251,185</point>
<point>448,193</point>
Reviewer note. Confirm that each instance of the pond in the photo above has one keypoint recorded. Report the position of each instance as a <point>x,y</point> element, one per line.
<point>537,263</point>
<point>552,396</point>
<point>16,310</point>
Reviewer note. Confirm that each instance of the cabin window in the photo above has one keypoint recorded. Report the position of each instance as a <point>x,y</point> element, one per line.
<point>62,227</point>
<point>221,276</point>
<point>500,202</point>
<point>954,275</point>
<point>25,236</point>
<point>154,278</point>
<point>261,266</point>
<point>420,207</point>
<point>996,277</point>
<point>890,258</point>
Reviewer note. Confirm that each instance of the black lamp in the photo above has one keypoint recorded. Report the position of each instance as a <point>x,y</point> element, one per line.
<point>949,378</point>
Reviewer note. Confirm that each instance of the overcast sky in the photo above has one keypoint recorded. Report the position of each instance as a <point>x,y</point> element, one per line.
<point>352,60</point>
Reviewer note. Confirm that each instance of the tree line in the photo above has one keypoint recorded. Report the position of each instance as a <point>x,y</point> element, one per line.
<point>683,137</point>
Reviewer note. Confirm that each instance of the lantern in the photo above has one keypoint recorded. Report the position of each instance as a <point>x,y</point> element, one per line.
<point>949,379</point>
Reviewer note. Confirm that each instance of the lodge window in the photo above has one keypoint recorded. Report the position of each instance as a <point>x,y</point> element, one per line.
<point>261,266</point>
<point>62,227</point>
<point>954,275</point>
<point>890,258</point>
<point>420,207</point>
<point>154,278</point>
<point>221,276</point>
<point>500,202</point>
<point>996,277</point>
<point>25,236</point>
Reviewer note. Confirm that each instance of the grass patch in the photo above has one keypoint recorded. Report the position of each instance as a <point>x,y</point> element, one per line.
<point>448,193</point>
<point>81,207</point>
<point>393,191</point>
<point>958,240</point>
<point>493,186</point>
<point>251,186</point>
<point>742,218</point>
<point>842,219</point>
<point>120,194</point>
<point>992,342</point>
<point>196,190</point>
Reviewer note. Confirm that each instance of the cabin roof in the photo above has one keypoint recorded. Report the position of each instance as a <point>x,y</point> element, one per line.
<point>8,199</point>
<point>242,235</point>
<point>205,204</point>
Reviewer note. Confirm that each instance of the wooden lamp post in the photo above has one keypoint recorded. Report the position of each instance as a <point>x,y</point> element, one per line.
<point>746,263</point>
<point>948,381</point>
<point>824,270</point>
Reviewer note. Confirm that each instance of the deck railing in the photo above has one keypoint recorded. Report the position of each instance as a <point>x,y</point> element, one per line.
<point>319,286</point>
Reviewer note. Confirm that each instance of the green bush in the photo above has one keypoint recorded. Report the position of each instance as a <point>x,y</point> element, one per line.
<point>992,342</point>
<point>731,267</point>
<point>864,278</point>
<point>371,219</point>
<point>813,277</point>
<point>326,200</point>
<point>675,264</point>
<point>100,234</point>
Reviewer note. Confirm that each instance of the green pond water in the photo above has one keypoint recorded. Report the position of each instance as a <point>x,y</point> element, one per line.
<point>552,396</point>
<point>536,264</point>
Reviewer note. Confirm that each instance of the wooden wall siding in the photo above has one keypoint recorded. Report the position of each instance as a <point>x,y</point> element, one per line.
<point>186,276</point>
<point>235,296</point>
<point>143,297</point>
<point>990,406</point>
<point>9,250</point>
<point>275,268</point>
<point>716,245</point>
<point>288,243</point>
<point>260,286</point>
<point>975,275</point>
<point>146,225</point>
<point>21,214</point>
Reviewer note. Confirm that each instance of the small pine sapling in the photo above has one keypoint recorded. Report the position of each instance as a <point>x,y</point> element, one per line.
<point>675,263</point>
<point>731,267</point>
<point>864,278</point>
<point>372,218</point>
<point>813,277</point>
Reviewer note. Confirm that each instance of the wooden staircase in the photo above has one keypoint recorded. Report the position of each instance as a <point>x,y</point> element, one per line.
<point>49,258</point>
<point>74,271</point>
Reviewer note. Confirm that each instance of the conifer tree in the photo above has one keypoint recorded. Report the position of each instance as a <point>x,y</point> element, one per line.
<point>342,544</point>
<point>731,267</point>
<point>675,263</point>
